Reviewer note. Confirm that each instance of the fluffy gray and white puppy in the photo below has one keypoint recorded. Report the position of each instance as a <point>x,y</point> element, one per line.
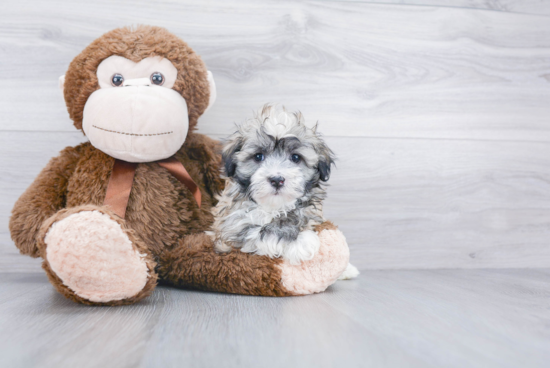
<point>276,167</point>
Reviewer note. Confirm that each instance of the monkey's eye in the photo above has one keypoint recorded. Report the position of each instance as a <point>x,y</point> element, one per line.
<point>259,157</point>
<point>157,78</point>
<point>117,80</point>
<point>295,158</point>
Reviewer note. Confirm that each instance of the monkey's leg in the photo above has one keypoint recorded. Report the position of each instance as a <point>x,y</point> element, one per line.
<point>91,257</point>
<point>193,263</point>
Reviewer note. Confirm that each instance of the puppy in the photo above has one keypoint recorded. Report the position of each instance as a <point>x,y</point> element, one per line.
<point>275,167</point>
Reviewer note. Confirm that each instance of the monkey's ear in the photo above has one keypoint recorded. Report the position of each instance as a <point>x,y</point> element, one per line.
<point>212,88</point>
<point>62,82</point>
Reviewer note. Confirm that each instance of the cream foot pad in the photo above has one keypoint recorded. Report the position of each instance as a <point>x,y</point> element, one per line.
<point>93,256</point>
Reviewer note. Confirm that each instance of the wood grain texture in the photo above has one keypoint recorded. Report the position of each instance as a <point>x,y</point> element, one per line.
<point>436,318</point>
<point>377,70</point>
<point>536,7</point>
<point>442,203</point>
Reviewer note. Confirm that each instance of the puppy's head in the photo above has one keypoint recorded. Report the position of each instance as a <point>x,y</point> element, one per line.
<point>276,159</point>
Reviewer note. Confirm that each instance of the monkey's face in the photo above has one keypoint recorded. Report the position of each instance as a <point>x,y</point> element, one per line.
<point>135,115</point>
<point>136,92</point>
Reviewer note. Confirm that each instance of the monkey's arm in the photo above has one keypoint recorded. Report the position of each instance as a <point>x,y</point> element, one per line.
<point>193,263</point>
<point>42,199</point>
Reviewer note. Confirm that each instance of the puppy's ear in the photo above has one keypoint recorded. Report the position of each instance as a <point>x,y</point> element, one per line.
<point>324,169</point>
<point>233,146</point>
<point>326,160</point>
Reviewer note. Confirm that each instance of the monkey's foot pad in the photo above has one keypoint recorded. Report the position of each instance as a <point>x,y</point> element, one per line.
<point>94,257</point>
<point>316,275</point>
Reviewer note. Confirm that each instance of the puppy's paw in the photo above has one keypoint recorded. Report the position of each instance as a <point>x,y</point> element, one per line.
<point>303,249</point>
<point>349,273</point>
<point>316,275</point>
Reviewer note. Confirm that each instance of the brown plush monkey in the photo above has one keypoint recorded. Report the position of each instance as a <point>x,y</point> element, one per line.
<point>112,216</point>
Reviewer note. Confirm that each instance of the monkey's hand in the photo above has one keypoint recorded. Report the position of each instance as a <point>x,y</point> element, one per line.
<point>329,263</point>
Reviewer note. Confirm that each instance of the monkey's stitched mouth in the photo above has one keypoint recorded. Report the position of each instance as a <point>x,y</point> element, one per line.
<point>134,134</point>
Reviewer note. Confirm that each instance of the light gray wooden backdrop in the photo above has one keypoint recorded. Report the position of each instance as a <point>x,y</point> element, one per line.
<point>439,111</point>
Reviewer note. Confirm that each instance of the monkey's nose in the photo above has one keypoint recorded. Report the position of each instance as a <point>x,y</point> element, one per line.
<point>277,181</point>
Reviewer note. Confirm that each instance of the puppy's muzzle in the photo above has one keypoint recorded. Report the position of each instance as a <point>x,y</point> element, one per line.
<point>277,181</point>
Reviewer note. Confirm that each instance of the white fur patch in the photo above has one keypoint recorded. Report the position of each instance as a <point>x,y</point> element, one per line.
<point>349,273</point>
<point>93,256</point>
<point>265,195</point>
<point>302,249</point>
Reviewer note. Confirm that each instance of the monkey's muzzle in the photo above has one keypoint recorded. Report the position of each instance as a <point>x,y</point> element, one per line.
<point>138,122</point>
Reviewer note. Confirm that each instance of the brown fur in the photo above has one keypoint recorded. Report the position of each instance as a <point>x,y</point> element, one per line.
<point>327,225</point>
<point>162,217</point>
<point>45,196</point>
<point>234,272</point>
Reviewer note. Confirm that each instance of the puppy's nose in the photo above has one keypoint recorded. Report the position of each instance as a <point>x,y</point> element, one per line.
<point>277,181</point>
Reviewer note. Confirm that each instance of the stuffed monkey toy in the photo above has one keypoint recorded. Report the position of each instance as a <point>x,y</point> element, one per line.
<point>113,216</point>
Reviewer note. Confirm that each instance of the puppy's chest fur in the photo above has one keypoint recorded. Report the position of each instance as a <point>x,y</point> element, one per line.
<point>242,223</point>
<point>286,227</point>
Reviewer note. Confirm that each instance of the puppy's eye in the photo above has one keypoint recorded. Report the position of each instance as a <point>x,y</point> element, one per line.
<point>117,79</point>
<point>259,157</point>
<point>295,158</point>
<point>157,78</point>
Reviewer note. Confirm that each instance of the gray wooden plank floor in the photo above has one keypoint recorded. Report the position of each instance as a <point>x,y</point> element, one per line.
<point>419,318</point>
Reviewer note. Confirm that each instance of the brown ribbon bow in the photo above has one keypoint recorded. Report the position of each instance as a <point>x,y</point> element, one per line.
<point>122,178</point>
